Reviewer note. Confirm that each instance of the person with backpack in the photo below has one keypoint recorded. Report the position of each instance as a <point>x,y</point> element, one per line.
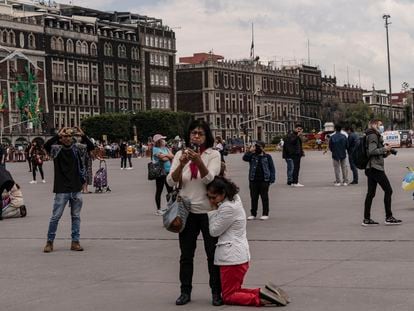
<point>69,162</point>
<point>375,172</point>
<point>352,143</point>
<point>338,145</point>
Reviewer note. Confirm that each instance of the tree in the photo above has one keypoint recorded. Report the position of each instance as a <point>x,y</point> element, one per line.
<point>118,126</point>
<point>358,116</point>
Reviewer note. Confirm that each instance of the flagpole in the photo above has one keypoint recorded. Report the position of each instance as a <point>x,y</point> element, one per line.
<point>253,40</point>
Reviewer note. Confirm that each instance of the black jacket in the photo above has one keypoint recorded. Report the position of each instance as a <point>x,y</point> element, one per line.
<point>292,147</point>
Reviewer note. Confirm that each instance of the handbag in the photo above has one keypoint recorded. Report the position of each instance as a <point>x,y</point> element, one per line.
<point>155,169</point>
<point>176,213</point>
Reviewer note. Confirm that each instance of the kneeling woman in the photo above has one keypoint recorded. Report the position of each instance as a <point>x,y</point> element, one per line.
<point>228,222</point>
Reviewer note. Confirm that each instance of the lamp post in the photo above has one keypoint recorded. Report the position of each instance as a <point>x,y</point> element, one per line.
<point>310,118</point>
<point>386,17</point>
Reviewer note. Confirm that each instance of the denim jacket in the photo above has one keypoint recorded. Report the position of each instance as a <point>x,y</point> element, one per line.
<point>269,170</point>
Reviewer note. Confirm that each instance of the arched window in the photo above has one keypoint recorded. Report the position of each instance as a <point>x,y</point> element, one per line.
<point>69,46</point>
<point>85,48</point>
<point>108,49</point>
<point>32,41</point>
<point>4,36</point>
<point>12,38</point>
<point>60,45</point>
<point>78,47</point>
<point>53,43</point>
<point>94,50</point>
<point>121,51</point>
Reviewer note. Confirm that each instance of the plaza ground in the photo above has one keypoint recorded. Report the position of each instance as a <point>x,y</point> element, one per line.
<point>313,245</point>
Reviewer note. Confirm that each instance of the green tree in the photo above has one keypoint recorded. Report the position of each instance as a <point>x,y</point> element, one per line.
<point>358,116</point>
<point>120,126</point>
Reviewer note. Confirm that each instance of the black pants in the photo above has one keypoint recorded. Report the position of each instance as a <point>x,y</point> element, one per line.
<point>129,156</point>
<point>296,169</point>
<point>123,161</point>
<point>188,243</point>
<point>354,169</point>
<point>377,177</point>
<point>35,166</point>
<point>160,182</point>
<point>259,188</point>
<point>29,159</point>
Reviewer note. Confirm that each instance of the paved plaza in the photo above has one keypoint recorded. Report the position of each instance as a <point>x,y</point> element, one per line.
<point>313,245</point>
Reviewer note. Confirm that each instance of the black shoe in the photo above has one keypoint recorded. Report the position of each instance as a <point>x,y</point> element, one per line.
<point>392,221</point>
<point>217,300</point>
<point>183,299</point>
<point>354,183</point>
<point>289,183</point>
<point>369,223</point>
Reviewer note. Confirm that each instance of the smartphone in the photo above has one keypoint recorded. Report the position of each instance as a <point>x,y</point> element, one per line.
<point>194,147</point>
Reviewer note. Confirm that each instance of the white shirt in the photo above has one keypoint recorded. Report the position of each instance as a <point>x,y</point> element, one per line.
<point>228,223</point>
<point>195,189</point>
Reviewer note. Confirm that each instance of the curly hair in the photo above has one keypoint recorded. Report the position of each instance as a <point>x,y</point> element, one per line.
<point>222,185</point>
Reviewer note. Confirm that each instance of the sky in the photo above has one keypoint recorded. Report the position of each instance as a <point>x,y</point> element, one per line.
<point>346,37</point>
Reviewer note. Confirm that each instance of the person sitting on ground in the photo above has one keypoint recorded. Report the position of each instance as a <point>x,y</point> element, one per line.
<point>227,221</point>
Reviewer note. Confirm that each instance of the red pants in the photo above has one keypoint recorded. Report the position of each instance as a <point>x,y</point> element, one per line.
<point>231,282</point>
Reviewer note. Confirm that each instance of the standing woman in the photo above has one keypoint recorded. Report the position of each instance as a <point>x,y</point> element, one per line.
<point>163,155</point>
<point>28,156</point>
<point>197,166</point>
<point>37,154</point>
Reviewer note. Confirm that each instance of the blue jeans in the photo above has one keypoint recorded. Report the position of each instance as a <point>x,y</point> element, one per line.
<point>75,203</point>
<point>290,167</point>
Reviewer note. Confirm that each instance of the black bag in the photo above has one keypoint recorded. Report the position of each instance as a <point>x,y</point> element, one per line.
<point>155,170</point>
<point>360,153</point>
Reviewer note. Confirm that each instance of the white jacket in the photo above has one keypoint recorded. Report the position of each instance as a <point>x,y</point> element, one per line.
<point>228,222</point>
<point>196,189</point>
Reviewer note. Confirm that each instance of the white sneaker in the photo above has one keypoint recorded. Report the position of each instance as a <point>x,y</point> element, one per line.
<point>33,182</point>
<point>345,184</point>
<point>122,168</point>
<point>297,185</point>
<point>337,184</point>
<point>159,213</point>
<point>130,168</point>
<point>264,218</point>
<point>43,181</point>
<point>251,217</point>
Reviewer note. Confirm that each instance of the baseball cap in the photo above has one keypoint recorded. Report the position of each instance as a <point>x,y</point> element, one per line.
<point>157,137</point>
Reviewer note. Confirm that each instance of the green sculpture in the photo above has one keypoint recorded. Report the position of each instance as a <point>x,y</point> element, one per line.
<point>27,100</point>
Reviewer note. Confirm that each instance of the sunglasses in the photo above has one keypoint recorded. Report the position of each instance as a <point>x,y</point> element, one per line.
<point>199,133</point>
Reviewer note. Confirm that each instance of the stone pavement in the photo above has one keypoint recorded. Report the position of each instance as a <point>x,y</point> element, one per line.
<point>313,245</point>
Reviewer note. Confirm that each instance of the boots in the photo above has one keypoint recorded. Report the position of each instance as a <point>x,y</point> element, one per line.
<point>49,247</point>
<point>75,246</point>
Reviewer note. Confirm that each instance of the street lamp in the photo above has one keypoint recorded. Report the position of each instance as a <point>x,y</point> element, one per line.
<point>386,17</point>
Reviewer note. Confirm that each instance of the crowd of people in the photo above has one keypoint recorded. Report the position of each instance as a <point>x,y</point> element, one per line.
<point>197,167</point>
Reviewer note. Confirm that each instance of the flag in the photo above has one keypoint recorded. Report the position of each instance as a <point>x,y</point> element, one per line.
<point>252,50</point>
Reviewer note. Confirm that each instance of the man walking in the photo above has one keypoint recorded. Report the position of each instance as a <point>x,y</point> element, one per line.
<point>375,172</point>
<point>292,153</point>
<point>262,174</point>
<point>338,145</point>
<point>352,141</point>
<point>69,163</point>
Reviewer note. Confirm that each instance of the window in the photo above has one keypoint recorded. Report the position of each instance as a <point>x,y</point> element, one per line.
<point>226,80</point>
<point>69,46</point>
<point>60,45</point>
<point>216,79</point>
<point>290,87</point>
<point>84,48</point>
<point>272,85</point>
<point>239,82</point>
<point>53,43</point>
<point>233,81</point>
<point>78,47</point>
<point>94,50</point>
<point>122,51</point>
<point>94,73</point>
<point>107,49</point>
<point>248,83</point>
<point>12,38</point>
<point>264,81</point>
<point>278,86</point>
<point>32,41</point>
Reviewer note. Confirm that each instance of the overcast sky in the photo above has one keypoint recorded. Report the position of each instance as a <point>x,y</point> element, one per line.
<point>342,33</point>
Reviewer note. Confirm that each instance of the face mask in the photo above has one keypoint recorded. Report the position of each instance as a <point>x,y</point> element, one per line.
<point>381,129</point>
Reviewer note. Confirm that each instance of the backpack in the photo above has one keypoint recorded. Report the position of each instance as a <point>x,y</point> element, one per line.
<point>360,153</point>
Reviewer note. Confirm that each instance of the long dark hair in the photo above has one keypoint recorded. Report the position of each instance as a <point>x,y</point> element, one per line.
<point>204,125</point>
<point>222,185</point>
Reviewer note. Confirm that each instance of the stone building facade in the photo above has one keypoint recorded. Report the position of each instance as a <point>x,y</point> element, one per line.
<point>239,99</point>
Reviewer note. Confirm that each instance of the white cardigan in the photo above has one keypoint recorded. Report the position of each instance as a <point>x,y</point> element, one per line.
<point>228,222</point>
<point>195,189</point>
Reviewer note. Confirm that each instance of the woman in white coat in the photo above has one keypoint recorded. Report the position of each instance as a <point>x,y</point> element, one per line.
<point>227,221</point>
